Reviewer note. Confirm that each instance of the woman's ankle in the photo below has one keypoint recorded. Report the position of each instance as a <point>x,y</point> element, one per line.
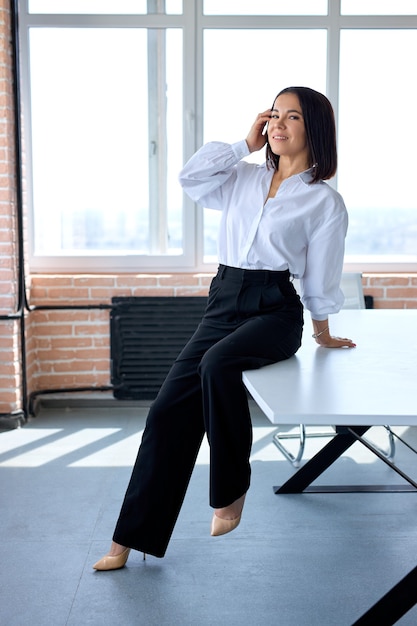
<point>116,549</point>
<point>232,511</point>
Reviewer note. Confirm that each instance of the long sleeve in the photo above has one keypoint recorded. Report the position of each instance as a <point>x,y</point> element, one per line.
<point>320,283</point>
<point>210,173</point>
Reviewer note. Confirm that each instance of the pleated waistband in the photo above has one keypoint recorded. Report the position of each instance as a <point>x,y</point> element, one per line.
<point>237,274</point>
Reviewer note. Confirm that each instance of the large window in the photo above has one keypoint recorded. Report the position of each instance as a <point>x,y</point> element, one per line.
<point>104,129</point>
<point>377,139</point>
<point>117,94</point>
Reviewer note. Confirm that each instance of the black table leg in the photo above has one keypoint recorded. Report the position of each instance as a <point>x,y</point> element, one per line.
<point>393,605</point>
<point>322,460</point>
<point>344,438</point>
<point>402,597</point>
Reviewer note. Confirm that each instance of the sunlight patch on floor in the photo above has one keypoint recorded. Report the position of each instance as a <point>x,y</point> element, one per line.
<point>120,454</point>
<point>123,453</point>
<point>56,449</point>
<point>13,439</point>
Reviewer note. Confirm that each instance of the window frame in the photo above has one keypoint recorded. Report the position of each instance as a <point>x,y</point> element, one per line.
<point>193,23</point>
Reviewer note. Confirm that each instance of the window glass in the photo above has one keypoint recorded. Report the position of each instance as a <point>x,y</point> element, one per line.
<point>92,146</point>
<point>99,7</point>
<point>265,7</point>
<point>234,95</point>
<point>377,139</point>
<point>173,7</point>
<point>379,7</point>
<point>103,110</point>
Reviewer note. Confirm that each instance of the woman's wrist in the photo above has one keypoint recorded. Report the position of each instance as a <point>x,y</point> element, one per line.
<point>322,336</point>
<point>320,329</point>
<point>321,332</point>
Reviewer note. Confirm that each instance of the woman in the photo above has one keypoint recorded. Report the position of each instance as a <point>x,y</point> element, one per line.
<point>278,219</point>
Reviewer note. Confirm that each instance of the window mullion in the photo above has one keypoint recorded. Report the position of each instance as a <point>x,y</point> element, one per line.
<point>157,123</point>
<point>333,56</point>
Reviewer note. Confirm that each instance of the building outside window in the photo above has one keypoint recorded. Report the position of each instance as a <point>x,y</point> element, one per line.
<point>117,94</point>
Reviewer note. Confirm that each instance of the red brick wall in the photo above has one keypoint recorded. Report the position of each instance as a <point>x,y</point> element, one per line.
<point>392,291</point>
<point>71,348</point>
<point>9,329</point>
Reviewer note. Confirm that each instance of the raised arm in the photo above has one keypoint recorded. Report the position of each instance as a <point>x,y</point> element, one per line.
<point>257,136</point>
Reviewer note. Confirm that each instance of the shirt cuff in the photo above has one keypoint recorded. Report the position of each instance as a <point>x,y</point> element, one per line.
<point>240,149</point>
<point>319,317</point>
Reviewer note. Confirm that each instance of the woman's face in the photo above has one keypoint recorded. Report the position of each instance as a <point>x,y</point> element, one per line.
<point>286,130</point>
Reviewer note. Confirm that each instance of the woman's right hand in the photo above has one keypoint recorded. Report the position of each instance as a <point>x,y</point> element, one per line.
<point>257,136</point>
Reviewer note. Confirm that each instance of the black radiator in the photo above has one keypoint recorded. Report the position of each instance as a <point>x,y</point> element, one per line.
<point>146,335</point>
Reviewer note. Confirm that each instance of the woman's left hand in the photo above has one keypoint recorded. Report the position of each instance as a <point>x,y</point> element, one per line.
<point>324,338</point>
<point>328,341</point>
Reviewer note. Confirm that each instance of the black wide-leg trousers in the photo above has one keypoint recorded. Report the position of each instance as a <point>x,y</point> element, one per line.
<point>253,318</point>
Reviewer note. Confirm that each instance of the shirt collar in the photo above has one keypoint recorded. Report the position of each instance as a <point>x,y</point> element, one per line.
<point>307,175</point>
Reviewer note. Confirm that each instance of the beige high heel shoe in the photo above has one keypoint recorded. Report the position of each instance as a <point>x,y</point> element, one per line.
<point>109,562</point>
<point>220,526</point>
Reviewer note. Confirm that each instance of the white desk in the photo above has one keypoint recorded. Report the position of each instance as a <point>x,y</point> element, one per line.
<point>352,388</point>
<point>372,384</point>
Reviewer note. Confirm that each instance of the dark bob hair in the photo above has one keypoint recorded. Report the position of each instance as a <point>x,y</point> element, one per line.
<point>320,132</point>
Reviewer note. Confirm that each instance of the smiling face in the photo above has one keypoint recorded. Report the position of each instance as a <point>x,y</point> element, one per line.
<point>286,130</point>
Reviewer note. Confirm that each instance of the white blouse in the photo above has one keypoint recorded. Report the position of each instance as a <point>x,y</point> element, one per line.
<point>303,228</point>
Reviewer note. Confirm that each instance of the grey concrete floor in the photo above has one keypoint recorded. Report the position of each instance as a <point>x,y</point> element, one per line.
<point>295,560</point>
